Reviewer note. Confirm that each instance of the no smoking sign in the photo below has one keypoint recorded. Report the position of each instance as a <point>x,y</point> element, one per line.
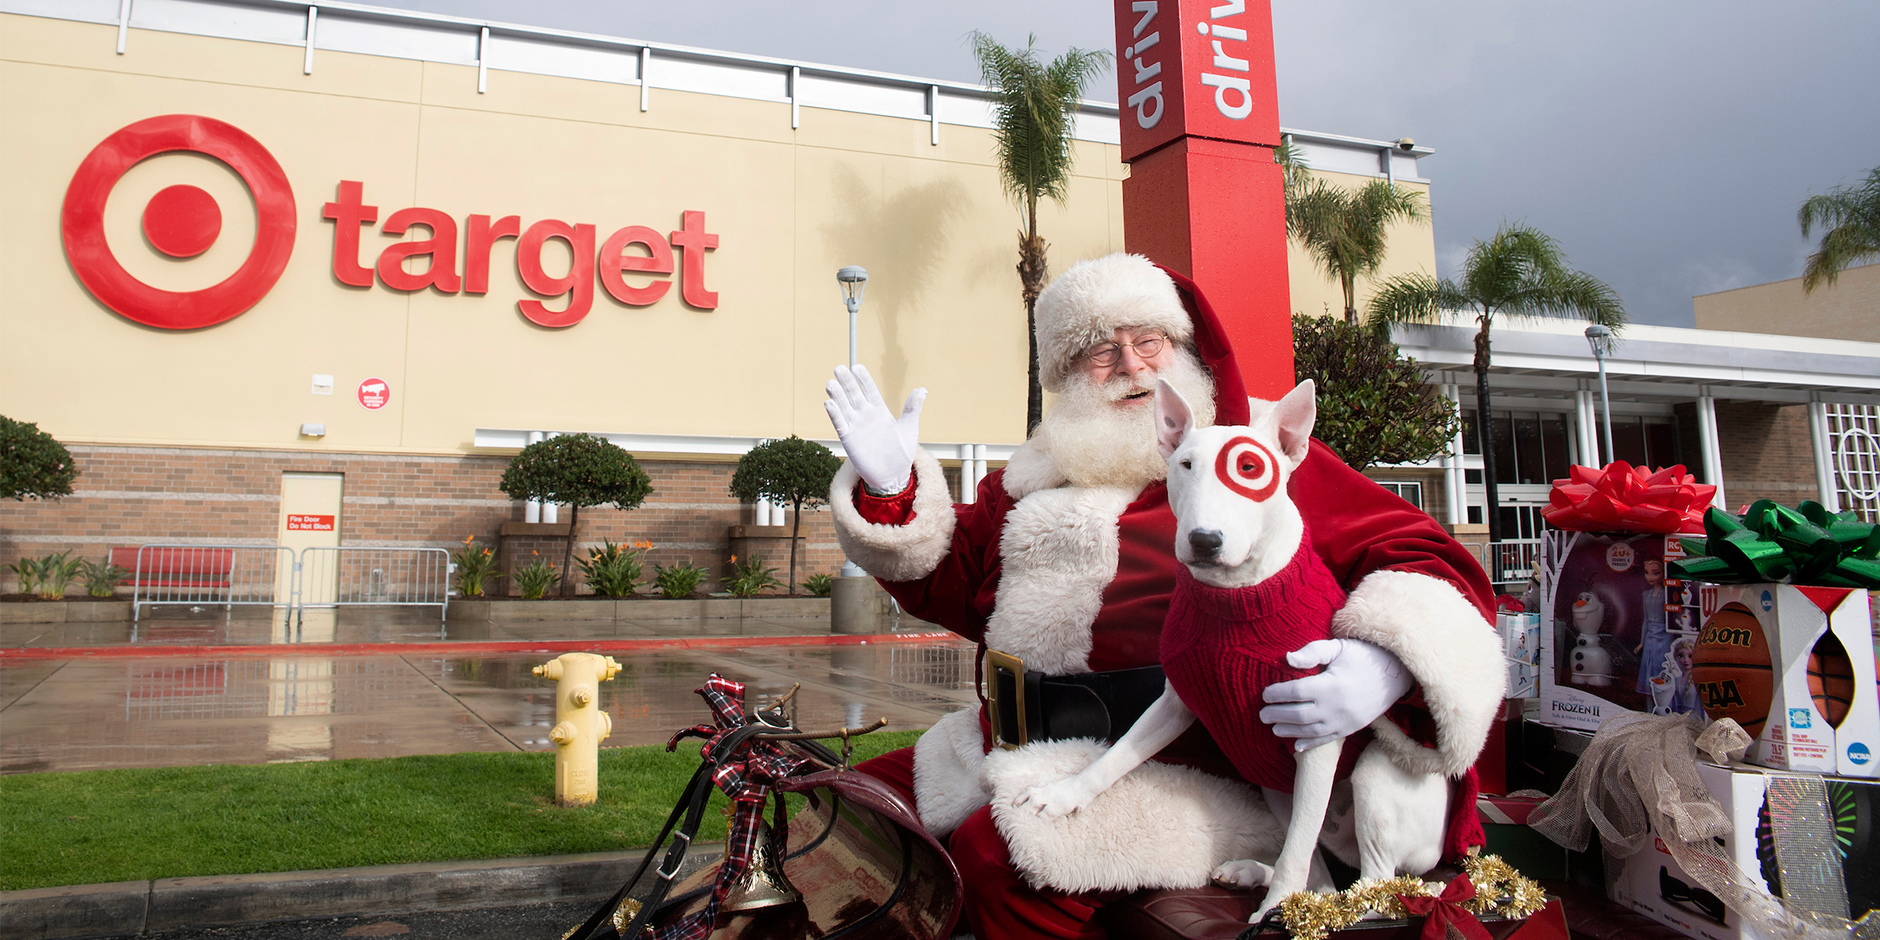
<point>374,394</point>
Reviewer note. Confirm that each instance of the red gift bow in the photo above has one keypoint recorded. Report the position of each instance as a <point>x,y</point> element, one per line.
<point>1624,498</point>
<point>1442,913</point>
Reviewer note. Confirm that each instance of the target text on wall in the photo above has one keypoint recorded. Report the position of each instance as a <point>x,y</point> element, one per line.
<point>636,252</point>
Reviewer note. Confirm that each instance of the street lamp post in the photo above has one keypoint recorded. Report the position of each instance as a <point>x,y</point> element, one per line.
<point>1600,338</point>
<point>854,280</point>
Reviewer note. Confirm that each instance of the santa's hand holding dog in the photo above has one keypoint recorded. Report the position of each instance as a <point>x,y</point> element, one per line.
<point>1062,569</point>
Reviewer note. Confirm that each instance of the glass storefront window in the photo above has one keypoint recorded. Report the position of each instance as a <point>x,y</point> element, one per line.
<point>1529,466</point>
<point>1556,449</point>
<point>1471,441</point>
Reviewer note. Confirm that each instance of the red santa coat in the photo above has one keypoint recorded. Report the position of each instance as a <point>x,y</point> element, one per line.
<point>1357,528</point>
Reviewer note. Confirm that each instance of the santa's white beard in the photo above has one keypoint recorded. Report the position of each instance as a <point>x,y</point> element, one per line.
<point>1095,443</point>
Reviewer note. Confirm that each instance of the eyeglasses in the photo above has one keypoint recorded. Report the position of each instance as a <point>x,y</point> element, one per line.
<point>1677,892</point>
<point>1146,346</point>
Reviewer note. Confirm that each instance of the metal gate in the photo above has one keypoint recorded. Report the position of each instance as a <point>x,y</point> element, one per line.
<point>211,576</point>
<point>1510,563</point>
<point>379,577</point>
<point>273,576</point>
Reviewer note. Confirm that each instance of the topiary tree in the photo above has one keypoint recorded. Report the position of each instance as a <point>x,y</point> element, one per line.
<point>791,470</point>
<point>576,470</point>
<point>1374,406</point>
<point>33,465</point>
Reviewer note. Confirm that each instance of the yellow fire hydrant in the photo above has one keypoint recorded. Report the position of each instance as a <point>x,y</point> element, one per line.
<point>580,724</point>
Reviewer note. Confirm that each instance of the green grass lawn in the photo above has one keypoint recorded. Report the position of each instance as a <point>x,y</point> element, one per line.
<point>94,826</point>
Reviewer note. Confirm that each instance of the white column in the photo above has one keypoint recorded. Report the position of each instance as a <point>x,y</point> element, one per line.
<point>762,515</point>
<point>1824,454</point>
<point>1453,489</point>
<point>979,464</point>
<point>1707,444</point>
<point>1586,424</point>
<point>968,490</point>
<point>779,514</point>
<point>533,511</point>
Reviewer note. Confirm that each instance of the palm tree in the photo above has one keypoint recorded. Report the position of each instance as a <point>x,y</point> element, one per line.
<point>1033,105</point>
<point>1854,213</point>
<point>1521,272</point>
<point>1344,230</point>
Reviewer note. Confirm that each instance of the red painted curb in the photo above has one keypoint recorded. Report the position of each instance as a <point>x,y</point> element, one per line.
<point>625,645</point>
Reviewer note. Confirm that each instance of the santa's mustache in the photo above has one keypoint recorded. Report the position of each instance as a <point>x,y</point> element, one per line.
<point>1119,387</point>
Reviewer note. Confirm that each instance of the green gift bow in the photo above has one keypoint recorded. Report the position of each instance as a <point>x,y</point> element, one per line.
<point>1771,542</point>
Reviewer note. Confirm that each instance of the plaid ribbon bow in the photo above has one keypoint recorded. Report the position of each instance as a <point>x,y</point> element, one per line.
<point>1445,916</point>
<point>746,776</point>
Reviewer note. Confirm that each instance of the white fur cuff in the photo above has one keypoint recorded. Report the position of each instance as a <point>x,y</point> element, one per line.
<point>1453,653</point>
<point>1161,826</point>
<point>896,552</point>
<point>947,764</point>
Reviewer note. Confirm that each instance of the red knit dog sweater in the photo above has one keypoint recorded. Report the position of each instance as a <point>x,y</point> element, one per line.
<point>1221,647</point>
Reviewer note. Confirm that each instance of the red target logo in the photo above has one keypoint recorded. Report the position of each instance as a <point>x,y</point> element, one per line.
<point>1245,466</point>
<point>180,221</point>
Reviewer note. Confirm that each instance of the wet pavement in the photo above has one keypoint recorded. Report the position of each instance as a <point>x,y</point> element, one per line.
<point>211,689</point>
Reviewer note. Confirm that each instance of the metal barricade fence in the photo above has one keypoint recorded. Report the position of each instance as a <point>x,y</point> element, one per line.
<point>345,576</point>
<point>212,575</point>
<point>1510,563</point>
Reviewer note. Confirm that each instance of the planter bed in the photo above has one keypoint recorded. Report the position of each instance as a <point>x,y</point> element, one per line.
<point>635,609</point>
<point>73,609</point>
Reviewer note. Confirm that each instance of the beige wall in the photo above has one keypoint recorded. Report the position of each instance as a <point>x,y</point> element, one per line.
<point>1850,309</point>
<point>929,222</point>
<point>1412,250</point>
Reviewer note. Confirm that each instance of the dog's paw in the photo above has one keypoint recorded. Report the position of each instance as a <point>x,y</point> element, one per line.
<point>1246,873</point>
<point>1056,799</point>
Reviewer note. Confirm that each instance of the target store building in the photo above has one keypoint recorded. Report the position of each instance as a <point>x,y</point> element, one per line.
<point>266,260</point>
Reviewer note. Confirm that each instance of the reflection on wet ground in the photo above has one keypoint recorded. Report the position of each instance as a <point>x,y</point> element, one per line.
<point>126,711</point>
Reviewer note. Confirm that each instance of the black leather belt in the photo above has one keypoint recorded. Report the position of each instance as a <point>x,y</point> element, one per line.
<point>1026,705</point>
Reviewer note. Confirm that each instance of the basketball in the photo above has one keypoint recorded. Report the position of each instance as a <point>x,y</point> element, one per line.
<point>1730,667</point>
<point>1831,679</point>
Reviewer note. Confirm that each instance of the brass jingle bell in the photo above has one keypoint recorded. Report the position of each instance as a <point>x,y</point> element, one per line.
<point>763,883</point>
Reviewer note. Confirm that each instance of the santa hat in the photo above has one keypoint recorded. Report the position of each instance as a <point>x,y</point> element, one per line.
<point>1085,305</point>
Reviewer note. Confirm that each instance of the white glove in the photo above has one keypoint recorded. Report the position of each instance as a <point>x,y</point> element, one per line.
<point>1359,682</point>
<point>879,445</point>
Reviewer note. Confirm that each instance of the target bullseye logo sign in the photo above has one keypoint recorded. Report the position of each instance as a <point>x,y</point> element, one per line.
<point>180,221</point>
<point>1245,466</point>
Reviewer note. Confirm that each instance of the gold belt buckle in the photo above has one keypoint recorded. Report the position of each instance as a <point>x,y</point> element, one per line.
<point>996,663</point>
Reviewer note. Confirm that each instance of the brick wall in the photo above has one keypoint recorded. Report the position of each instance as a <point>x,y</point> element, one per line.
<point>1766,453</point>
<point>138,495</point>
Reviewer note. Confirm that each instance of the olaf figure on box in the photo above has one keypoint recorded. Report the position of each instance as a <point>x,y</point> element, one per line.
<point>1592,665</point>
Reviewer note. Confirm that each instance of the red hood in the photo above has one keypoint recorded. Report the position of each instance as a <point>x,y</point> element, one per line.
<point>1230,393</point>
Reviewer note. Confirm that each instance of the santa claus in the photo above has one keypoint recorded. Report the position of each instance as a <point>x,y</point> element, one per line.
<point>1062,571</point>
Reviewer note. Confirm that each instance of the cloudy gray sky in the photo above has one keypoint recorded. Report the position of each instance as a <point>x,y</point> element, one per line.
<point>1666,144</point>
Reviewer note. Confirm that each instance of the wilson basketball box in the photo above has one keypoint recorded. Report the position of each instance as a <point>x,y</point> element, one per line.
<point>1794,665</point>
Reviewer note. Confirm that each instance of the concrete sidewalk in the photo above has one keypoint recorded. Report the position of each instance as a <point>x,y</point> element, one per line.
<point>142,908</point>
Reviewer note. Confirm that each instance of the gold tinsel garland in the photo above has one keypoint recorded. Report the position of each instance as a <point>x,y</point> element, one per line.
<point>1499,890</point>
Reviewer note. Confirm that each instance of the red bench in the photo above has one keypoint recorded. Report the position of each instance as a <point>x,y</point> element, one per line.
<point>174,567</point>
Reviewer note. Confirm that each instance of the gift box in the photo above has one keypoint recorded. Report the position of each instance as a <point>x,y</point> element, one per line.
<point>1821,830</point>
<point>1787,641</point>
<point>1794,666</point>
<point>1521,648</point>
<point>1614,622</point>
<point>1504,821</point>
<point>1617,630</point>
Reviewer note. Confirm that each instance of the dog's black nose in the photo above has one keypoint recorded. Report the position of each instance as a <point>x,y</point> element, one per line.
<point>1205,542</point>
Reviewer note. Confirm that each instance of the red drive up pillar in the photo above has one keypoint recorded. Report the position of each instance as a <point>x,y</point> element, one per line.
<point>1200,116</point>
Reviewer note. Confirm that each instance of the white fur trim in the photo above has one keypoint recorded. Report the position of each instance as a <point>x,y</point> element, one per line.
<point>1448,647</point>
<point>1161,826</point>
<point>948,760</point>
<point>896,552</point>
<point>1030,470</point>
<point>1086,304</point>
<point>1059,551</point>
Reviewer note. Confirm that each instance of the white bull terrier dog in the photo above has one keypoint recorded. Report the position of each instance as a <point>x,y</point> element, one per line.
<point>1243,541</point>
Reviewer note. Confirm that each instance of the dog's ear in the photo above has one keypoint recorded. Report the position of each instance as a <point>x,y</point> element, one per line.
<point>1293,417</point>
<point>1173,418</point>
